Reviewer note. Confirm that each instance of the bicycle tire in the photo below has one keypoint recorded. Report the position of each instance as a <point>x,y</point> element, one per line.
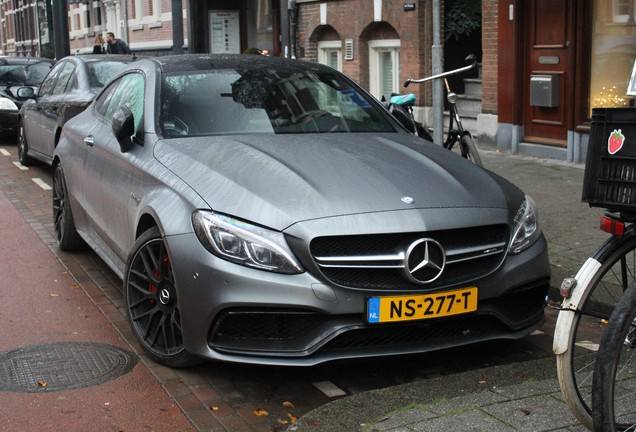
<point>615,374</point>
<point>469,149</point>
<point>601,282</point>
<point>465,147</point>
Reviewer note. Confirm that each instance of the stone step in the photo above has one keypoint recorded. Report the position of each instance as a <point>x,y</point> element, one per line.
<point>468,103</point>
<point>473,86</point>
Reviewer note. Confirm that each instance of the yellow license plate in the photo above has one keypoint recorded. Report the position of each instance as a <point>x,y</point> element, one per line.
<point>424,306</point>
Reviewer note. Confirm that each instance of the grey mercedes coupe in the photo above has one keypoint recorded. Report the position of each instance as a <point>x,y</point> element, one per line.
<point>270,211</point>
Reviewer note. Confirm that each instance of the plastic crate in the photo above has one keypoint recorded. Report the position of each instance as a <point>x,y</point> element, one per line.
<point>610,168</point>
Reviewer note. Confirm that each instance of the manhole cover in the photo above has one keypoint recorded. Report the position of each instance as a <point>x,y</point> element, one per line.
<point>62,366</point>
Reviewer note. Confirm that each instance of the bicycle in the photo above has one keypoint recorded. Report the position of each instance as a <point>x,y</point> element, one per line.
<point>613,388</point>
<point>458,139</point>
<point>592,295</point>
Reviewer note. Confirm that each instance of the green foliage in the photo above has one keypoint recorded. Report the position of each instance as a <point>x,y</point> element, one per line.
<point>47,52</point>
<point>462,18</point>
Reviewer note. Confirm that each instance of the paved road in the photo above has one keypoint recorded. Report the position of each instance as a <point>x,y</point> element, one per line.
<point>224,397</point>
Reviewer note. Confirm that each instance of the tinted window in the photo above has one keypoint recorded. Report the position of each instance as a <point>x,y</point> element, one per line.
<point>265,101</point>
<point>31,74</point>
<point>64,79</point>
<point>49,82</point>
<point>127,91</point>
<point>100,73</point>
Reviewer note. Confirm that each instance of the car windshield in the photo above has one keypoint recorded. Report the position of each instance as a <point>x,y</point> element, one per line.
<point>29,74</point>
<point>265,101</point>
<point>101,72</point>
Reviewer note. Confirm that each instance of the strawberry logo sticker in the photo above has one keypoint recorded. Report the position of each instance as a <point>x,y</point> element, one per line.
<point>615,141</point>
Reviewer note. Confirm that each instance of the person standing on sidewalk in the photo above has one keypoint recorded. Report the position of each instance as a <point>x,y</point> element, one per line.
<point>115,46</point>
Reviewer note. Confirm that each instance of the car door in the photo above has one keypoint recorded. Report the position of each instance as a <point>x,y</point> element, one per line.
<point>109,184</point>
<point>51,107</point>
<point>32,113</point>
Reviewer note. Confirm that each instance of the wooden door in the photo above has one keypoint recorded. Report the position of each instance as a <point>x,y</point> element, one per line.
<point>548,51</point>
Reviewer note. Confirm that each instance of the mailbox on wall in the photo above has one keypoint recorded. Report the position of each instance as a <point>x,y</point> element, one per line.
<point>544,90</point>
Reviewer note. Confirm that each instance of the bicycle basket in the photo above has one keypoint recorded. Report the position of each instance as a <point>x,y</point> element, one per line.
<point>610,169</point>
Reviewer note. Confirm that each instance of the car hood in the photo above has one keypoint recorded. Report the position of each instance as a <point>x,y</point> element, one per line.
<point>278,180</point>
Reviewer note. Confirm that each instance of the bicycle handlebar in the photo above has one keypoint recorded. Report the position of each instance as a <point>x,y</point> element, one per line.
<point>470,59</point>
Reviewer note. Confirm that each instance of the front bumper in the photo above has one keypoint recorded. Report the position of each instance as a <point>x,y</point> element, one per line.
<point>8,122</point>
<point>234,313</point>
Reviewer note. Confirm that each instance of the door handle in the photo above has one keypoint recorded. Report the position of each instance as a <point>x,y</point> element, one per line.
<point>89,141</point>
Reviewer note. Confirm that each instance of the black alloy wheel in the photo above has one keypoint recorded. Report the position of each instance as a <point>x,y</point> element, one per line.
<point>151,301</point>
<point>23,147</point>
<point>67,236</point>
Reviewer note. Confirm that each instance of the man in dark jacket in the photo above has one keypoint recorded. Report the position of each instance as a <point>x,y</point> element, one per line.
<point>115,46</point>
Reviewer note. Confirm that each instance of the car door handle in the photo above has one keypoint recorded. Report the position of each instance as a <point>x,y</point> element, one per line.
<point>89,141</point>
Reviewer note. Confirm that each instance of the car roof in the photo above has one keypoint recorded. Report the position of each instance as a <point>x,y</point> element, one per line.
<point>192,62</point>
<point>8,60</point>
<point>90,58</point>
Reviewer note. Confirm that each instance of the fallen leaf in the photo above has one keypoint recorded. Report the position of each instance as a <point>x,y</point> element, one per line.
<point>260,412</point>
<point>525,411</point>
<point>482,382</point>
<point>54,295</point>
<point>288,405</point>
<point>41,383</point>
<point>292,419</point>
<point>214,408</point>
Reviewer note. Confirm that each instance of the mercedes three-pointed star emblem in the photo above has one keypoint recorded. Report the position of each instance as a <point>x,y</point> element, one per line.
<point>425,261</point>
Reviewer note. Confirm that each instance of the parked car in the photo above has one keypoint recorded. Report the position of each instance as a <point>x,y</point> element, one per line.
<point>264,210</point>
<point>65,92</point>
<point>17,73</point>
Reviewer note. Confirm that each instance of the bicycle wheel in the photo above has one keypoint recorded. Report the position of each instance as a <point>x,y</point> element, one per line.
<point>601,282</point>
<point>615,371</point>
<point>464,146</point>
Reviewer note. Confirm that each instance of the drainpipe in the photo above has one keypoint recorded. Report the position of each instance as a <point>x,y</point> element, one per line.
<point>292,11</point>
<point>438,67</point>
<point>124,21</point>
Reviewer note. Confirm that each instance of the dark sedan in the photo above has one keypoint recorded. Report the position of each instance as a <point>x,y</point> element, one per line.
<point>264,210</point>
<point>65,92</point>
<point>16,73</point>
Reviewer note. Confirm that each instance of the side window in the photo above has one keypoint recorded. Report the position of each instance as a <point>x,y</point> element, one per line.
<point>65,77</point>
<point>47,85</point>
<point>129,92</point>
<point>104,99</point>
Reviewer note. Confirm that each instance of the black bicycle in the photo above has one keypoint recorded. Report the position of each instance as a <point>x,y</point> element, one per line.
<point>458,139</point>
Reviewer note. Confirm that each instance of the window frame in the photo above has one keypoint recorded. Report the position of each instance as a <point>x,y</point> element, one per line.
<point>326,47</point>
<point>376,47</point>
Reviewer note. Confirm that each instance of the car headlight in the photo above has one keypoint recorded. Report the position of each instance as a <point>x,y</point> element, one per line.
<point>526,228</point>
<point>7,104</point>
<point>243,243</point>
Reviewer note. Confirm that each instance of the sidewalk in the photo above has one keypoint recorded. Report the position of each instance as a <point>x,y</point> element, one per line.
<point>518,397</point>
<point>54,339</point>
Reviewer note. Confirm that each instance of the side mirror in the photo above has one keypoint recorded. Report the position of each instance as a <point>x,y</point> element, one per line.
<point>25,93</point>
<point>123,125</point>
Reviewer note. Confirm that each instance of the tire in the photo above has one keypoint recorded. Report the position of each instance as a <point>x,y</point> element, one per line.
<point>151,302</point>
<point>67,236</point>
<point>615,372</point>
<point>615,267</point>
<point>469,149</point>
<point>23,147</point>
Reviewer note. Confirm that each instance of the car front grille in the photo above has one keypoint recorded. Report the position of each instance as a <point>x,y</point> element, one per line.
<point>376,262</point>
<point>298,333</point>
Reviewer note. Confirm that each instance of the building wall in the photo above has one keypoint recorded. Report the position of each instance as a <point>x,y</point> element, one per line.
<point>490,59</point>
<point>147,29</point>
<point>357,20</point>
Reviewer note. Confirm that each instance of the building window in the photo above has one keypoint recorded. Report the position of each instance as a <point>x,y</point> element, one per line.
<point>330,54</point>
<point>613,53</point>
<point>384,66</point>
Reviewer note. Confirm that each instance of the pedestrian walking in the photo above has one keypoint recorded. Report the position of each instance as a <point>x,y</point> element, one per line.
<point>115,46</point>
<point>98,48</point>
